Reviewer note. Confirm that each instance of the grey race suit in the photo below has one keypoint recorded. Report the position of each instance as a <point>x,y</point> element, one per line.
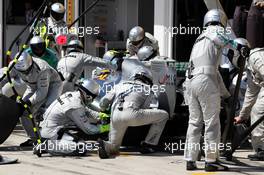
<point>43,87</point>
<point>204,88</point>
<point>149,40</point>
<point>72,65</point>
<point>254,98</point>
<point>133,111</point>
<point>67,110</point>
<point>130,66</point>
<point>19,85</point>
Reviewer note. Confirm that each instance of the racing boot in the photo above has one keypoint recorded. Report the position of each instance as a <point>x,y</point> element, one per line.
<point>27,143</point>
<point>146,148</point>
<point>5,160</point>
<point>258,156</point>
<point>101,150</point>
<point>215,166</point>
<point>191,165</point>
<point>40,149</point>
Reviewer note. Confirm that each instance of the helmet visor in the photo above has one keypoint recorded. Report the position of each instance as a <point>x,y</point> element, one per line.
<point>38,49</point>
<point>136,43</point>
<point>74,48</point>
<point>117,63</point>
<point>57,16</point>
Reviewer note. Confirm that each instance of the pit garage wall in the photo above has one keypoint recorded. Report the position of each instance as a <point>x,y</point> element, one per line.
<point>1,32</point>
<point>112,16</point>
<point>72,11</point>
<point>163,22</point>
<point>124,14</point>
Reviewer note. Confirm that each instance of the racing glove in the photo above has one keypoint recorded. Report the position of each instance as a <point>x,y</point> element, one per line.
<point>104,118</point>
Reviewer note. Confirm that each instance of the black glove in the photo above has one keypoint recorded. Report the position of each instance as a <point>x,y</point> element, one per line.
<point>39,114</point>
<point>119,63</point>
<point>230,55</point>
<point>21,108</point>
<point>28,103</point>
<point>244,50</point>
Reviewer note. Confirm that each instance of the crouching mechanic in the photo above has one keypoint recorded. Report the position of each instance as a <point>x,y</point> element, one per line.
<point>43,87</point>
<point>204,89</point>
<point>253,105</point>
<point>139,38</point>
<point>131,107</point>
<point>71,108</point>
<point>37,49</point>
<point>72,65</point>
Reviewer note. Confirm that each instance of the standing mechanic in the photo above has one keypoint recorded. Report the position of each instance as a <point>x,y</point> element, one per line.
<point>204,88</point>
<point>253,105</point>
<point>49,28</point>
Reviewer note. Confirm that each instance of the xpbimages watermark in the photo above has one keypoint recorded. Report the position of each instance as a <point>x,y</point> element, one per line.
<point>80,31</point>
<point>65,146</point>
<point>181,146</point>
<point>146,89</point>
<point>193,30</point>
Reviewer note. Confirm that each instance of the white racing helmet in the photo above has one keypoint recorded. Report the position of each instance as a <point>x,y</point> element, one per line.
<point>114,58</point>
<point>142,74</point>
<point>145,53</point>
<point>90,89</point>
<point>136,34</point>
<point>24,62</point>
<point>215,16</point>
<point>57,11</point>
<point>38,46</point>
<point>75,45</point>
<point>110,55</point>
